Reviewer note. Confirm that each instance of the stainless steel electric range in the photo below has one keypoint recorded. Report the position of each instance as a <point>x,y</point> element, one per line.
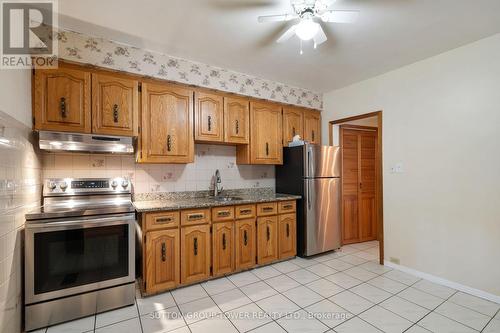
<point>79,250</point>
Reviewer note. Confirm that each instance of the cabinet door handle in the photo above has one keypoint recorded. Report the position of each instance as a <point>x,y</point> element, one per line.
<point>267,149</point>
<point>169,143</point>
<point>62,105</point>
<point>195,246</point>
<point>312,132</point>
<point>268,233</point>
<point>115,113</point>
<point>223,241</point>
<point>163,252</point>
<point>287,230</point>
<point>209,123</point>
<point>195,216</point>
<point>245,237</point>
<point>237,127</point>
<point>293,131</point>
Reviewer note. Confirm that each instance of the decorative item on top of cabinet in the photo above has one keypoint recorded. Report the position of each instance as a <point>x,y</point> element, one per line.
<point>223,248</point>
<point>195,253</point>
<point>167,124</point>
<point>236,120</point>
<point>208,117</point>
<point>293,122</point>
<point>162,262</point>
<point>115,105</point>
<point>62,100</point>
<point>287,235</point>
<point>312,126</point>
<point>267,239</point>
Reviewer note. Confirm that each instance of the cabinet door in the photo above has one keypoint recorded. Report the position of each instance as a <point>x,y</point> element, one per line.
<point>266,133</point>
<point>367,185</point>
<point>223,248</point>
<point>208,117</point>
<point>167,124</point>
<point>236,120</point>
<point>115,105</point>
<point>162,260</point>
<point>287,235</point>
<point>312,126</point>
<point>293,120</point>
<point>267,239</point>
<point>62,100</point>
<point>245,244</point>
<point>195,253</point>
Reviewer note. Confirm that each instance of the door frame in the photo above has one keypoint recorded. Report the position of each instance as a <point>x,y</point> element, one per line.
<point>379,170</point>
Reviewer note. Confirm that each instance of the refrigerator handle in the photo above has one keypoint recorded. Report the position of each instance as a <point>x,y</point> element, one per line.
<point>308,163</point>
<point>308,194</point>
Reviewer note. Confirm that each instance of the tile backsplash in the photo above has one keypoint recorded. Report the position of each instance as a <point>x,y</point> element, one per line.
<point>197,176</point>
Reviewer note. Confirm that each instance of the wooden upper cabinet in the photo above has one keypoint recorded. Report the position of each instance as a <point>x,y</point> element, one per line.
<point>312,126</point>
<point>293,122</point>
<point>115,105</point>
<point>266,133</point>
<point>62,100</point>
<point>208,117</point>
<point>236,120</point>
<point>167,124</point>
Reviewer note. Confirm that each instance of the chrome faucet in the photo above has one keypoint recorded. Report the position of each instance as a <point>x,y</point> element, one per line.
<point>217,181</point>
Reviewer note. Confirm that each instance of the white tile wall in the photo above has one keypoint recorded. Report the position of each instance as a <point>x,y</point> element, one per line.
<point>195,176</point>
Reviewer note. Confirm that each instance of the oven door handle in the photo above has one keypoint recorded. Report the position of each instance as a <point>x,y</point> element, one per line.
<point>83,223</point>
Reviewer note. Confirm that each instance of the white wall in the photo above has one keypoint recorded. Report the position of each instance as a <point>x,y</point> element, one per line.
<point>441,119</point>
<point>15,94</point>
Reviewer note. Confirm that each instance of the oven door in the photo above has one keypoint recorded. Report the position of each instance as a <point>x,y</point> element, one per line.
<point>67,257</point>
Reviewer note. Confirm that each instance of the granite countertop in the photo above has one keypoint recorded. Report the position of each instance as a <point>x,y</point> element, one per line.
<point>165,202</point>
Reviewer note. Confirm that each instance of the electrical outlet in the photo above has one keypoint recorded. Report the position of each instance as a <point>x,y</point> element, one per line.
<point>397,168</point>
<point>394,260</point>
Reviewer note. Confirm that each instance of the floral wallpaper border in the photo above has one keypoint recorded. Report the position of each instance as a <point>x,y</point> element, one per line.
<point>101,52</point>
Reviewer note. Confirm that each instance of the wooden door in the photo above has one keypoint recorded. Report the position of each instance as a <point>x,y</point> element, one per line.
<point>162,260</point>
<point>267,239</point>
<point>62,100</point>
<point>115,105</point>
<point>167,124</point>
<point>236,120</point>
<point>287,235</point>
<point>312,126</point>
<point>359,212</point>
<point>208,117</point>
<point>222,248</point>
<point>245,244</point>
<point>293,121</point>
<point>195,253</point>
<point>266,133</point>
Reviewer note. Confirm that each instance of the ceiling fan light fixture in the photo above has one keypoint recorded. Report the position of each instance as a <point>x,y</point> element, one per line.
<point>307,29</point>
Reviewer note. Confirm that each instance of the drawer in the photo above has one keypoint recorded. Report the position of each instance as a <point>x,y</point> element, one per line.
<point>195,216</point>
<point>245,212</point>
<point>225,213</point>
<point>162,220</point>
<point>268,208</point>
<point>287,206</point>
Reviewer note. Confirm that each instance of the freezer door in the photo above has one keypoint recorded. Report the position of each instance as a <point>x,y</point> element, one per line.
<point>322,215</point>
<point>322,161</point>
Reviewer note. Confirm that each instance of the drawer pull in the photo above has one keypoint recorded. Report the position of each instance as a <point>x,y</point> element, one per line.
<point>245,238</point>
<point>267,209</point>
<point>287,206</point>
<point>268,233</point>
<point>195,216</point>
<point>224,213</point>
<point>62,105</point>
<point>245,211</point>
<point>195,246</point>
<point>163,252</point>
<point>115,113</point>
<point>287,230</point>
<point>223,241</point>
<point>164,219</point>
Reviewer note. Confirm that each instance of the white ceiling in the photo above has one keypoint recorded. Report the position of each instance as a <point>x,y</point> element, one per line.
<point>389,34</point>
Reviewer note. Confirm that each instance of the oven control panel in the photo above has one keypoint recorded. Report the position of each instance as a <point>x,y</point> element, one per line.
<point>62,186</point>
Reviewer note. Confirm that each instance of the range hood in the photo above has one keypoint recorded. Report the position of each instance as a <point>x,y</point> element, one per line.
<point>95,143</point>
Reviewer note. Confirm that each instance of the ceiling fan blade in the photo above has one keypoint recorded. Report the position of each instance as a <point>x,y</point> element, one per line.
<point>276,18</point>
<point>287,35</point>
<point>320,37</point>
<point>340,16</point>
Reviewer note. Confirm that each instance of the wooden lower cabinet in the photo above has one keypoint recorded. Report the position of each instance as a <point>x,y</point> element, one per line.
<point>222,248</point>
<point>287,235</point>
<point>245,244</point>
<point>162,262</point>
<point>195,253</point>
<point>267,239</point>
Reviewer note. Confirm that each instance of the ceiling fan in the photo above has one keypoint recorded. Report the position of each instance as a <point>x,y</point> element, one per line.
<point>309,12</point>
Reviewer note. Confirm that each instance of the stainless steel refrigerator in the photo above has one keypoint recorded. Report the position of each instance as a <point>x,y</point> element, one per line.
<point>313,171</point>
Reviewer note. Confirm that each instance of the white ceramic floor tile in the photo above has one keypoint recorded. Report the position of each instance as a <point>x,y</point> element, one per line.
<point>343,280</point>
<point>328,256</point>
<point>375,267</point>
<point>155,303</point>
<point>356,325</point>
<point>434,289</point>
<point>329,313</point>
<point>360,273</point>
<point>404,308</point>
<point>371,293</point>
<point>321,270</point>
<point>303,262</point>
<point>114,316</point>
<point>302,322</point>
<point>184,329</point>
<point>348,249</point>
<point>387,284</point>
<point>324,287</point>
<point>74,326</point>
<point>248,317</point>
<point>401,277</point>
<point>244,278</point>
<point>366,255</point>
<point>266,272</point>
<point>421,298</point>
<point>493,327</point>
<point>162,321</point>
<point>434,322</point>
<point>303,276</point>
<point>282,283</point>
<point>351,302</point>
<point>277,306</point>
<point>258,291</point>
<point>463,315</point>
<point>475,303</point>
<point>385,320</point>
<point>417,329</point>
<point>127,326</point>
<point>285,266</point>
<point>231,299</point>
<point>498,315</point>
<point>188,294</point>
<point>269,328</point>
<point>218,286</point>
<point>337,264</point>
<point>303,296</point>
<point>353,260</point>
<point>373,250</point>
<point>213,325</point>
<point>200,309</point>
<point>363,246</point>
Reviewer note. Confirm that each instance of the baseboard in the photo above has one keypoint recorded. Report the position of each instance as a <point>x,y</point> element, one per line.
<point>445,282</point>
